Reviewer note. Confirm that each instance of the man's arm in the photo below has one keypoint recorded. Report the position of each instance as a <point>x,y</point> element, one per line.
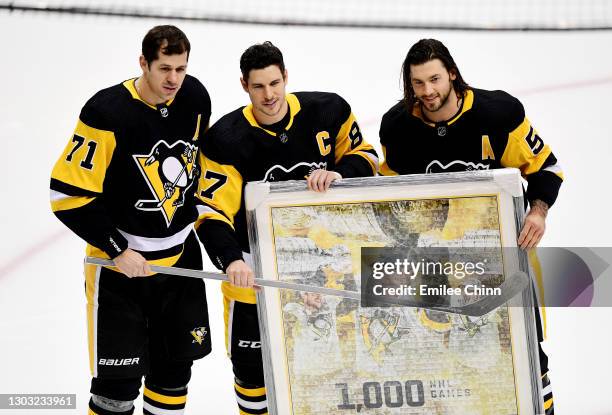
<point>77,182</point>
<point>534,225</point>
<point>354,156</point>
<point>220,197</point>
<point>526,151</point>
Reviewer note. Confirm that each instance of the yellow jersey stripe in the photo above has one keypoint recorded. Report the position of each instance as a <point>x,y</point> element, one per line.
<point>253,393</point>
<point>91,279</point>
<point>85,158</point>
<point>130,85</point>
<point>212,215</point>
<point>294,108</point>
<point>343,144</point>
<point>71,202</point>
<point>164,262</point>
<point>519,154</point>
<point>534,261</point>
<point>548,403</point>
<point>169,400</point>
<point>468,102</point>
<point>221,188</point>
<point>244,295</point>
<point>385,170</point>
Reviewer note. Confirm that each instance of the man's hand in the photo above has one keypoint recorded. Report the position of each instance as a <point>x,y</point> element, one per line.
<point>320,180</point>
<point>240,274</point>
<point>534,226</point>
<point>132,264</point>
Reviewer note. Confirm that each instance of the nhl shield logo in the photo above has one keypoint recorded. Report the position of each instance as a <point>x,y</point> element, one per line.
<point>283,137</point>
<point>441,131</point>
<point>163,111</point>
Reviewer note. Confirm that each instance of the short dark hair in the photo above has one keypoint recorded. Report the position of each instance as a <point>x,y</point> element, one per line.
<point>424,51</point>
<point>261,56</point>
<point>167,39</point>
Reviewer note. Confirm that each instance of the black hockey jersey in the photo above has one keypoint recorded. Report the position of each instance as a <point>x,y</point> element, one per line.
<point>490,131</point>
<point>128,175</point>
<point>320,133</point>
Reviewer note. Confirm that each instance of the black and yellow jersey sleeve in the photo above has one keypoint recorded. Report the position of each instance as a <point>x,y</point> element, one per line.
<point>526,151</point>
<point>77,182</point>
<point>219,196</point>
<point>354,157</point>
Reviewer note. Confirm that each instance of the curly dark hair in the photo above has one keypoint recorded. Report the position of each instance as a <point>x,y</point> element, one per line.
<point>424,51</point>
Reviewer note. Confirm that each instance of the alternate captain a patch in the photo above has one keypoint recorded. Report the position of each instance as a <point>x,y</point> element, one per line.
<point>169,171</point>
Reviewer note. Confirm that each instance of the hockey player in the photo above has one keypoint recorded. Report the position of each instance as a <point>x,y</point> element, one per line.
<point>125,184</point>
<point>442,124</point>
<point>279,136</point>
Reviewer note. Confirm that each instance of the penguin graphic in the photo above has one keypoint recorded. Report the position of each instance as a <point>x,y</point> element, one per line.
<point>169,171</point>
<point>296,172</point>
<point>172,168</point>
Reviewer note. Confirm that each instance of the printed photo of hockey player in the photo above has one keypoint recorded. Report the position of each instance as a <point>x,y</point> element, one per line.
<point>342,357</point>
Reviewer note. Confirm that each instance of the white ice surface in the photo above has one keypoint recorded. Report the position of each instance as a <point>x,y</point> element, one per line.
<point>53,64</point>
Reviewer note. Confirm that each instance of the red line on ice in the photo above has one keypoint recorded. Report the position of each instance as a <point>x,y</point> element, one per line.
<point>30,252</point>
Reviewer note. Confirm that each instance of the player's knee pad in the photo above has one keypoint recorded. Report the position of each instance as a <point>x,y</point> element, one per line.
<point>101,405</point>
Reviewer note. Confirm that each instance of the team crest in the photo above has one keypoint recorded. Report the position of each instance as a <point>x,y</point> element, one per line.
<point>198,334</point>
<point>296,172</point>
<point>437,166</point>
<point>169,171</point>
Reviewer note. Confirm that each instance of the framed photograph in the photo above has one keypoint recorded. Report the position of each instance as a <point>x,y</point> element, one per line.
<point>326,354</point>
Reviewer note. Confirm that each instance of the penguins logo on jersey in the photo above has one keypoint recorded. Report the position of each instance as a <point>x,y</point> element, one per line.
<point>198,334</point>
<point>454,166</point>
<point>169,171</point>
<point>296,172</point>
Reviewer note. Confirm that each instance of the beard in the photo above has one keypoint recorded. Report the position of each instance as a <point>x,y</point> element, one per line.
<point>436,105</point>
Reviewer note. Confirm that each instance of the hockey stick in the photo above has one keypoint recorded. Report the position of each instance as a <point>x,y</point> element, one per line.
<point>513,285</point>
<point>152,204</point>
